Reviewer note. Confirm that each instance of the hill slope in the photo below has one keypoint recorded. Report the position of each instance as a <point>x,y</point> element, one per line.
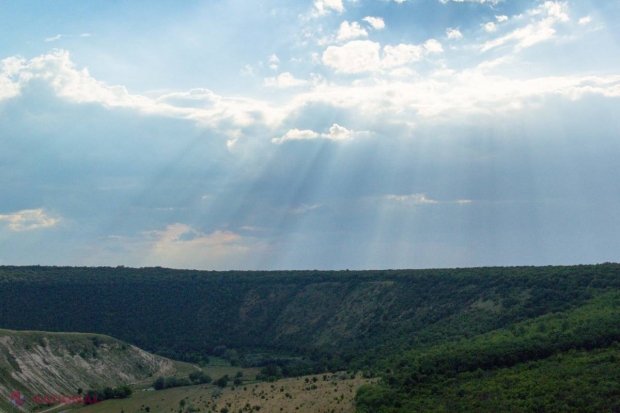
<point>59,363</point>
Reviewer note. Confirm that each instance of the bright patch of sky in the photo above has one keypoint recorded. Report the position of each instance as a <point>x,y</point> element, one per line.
<point>309,134</point>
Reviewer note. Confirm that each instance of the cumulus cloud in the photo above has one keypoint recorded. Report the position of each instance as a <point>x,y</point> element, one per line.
<point>401,54</point>
<point>585,20</point>
<point>284,80</point>
<point>501,18</point>
<point>78,86</point>
<point>28,219</point>
<point>336,133</point>
<point>274,62</point>
<point>350,31</point>
<point>326,6</point>
<point>354,57</point>
<point>9,76</point>
<point>433,46</point>
<point>454,34</point>
<point>376,23</point>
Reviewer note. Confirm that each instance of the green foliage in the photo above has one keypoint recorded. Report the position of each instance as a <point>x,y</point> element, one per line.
<point>199,377</point>
<point>222,381</point>
<point>434,337</point>
<point>95,396</point>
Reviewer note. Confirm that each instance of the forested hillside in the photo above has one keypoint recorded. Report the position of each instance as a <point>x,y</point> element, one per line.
<point>424,331</point>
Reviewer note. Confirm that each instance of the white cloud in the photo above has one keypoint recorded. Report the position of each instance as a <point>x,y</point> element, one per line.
<point>401,54</point>
<point>354,57</point>
<point>78,86</point>
<point>336,133</point>
<point>413,199</point>
<point>9,76</point>
<point>376,23</point>
<point>274,62</point>
<point>501,18</point>
<point>402,72</point>
<point>585,20</point>
<point>28,219</point>
<point>421,199</point>
<point>472,1</point>
<point>284,80</point>
<point>490,27</point>
<point>54,38</point>
<point>326,6</point>
<point>538,31</point>
<point>454,34</point>
<point>462,93</point>
<point>433,46</point>
<point>85,35</point>
<point>350,31</point>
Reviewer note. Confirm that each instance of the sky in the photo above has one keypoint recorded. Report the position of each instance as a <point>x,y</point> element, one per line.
<point>311,134</point>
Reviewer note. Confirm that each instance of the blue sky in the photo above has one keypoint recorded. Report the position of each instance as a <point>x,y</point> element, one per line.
<point>324,134</point>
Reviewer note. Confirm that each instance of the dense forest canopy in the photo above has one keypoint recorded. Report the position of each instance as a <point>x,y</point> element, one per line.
<point>424,332</point>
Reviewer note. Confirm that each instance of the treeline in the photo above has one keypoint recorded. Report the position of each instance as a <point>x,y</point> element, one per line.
<point>195,377</point>
<point>108,393</point>
<point>332,318</point>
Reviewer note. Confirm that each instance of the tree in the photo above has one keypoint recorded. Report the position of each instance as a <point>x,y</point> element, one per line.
<point>160,384</point>
<point>222,381</point>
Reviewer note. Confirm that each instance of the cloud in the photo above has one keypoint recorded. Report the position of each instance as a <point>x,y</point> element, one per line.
<point>336,133</point>
<point>360,56</point>
<point>54,38</point>
<point>284,80</point>
<point>401,54</point>
<point>433,46</point>
<point>376,23</point>
<point>422,199</point>
<point>537,31</point>
<point>274,61</point>
<point>454,34</point>
<point>182,246</point>
<point>493,2</point>
<point>85,35</point>
<point>350,31</point>
<point>354,57</point>
<point>9,77</point>
<point>490,27</point>
<point>585,20</point>
<point>413,199</point>
<point>78,86</point>
<point>28,219</point>
<point>326,6</point>
<point>501,18</point>
<point>464,92</point>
